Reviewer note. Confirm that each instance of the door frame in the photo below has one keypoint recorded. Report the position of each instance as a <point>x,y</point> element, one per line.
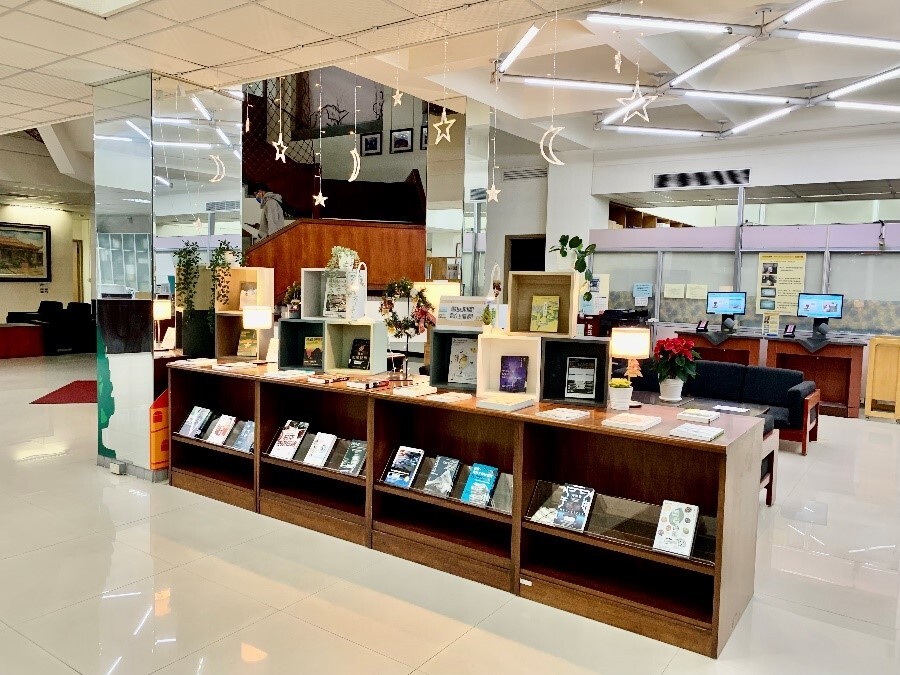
<point>507,253</point>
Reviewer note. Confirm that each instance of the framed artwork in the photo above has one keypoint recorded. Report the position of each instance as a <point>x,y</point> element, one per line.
<point>370,144</point>
<point>401,140</point>
<point>423,138</point>
<point>24,252</point>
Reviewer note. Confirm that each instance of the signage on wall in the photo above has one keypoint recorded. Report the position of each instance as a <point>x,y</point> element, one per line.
<point>780,281</point>
<point>642,291</point>
<point>460,311</point>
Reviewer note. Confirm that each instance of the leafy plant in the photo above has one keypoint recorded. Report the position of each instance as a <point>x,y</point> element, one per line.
<point>334,262</point>
<point>488,315</point>
<point>675,358</point>
<point>187,274</point>
<point>574,246</point>
<point>420,316</point>
<point>292,293</point>
<point>620,383</point>
<point>220,260</point>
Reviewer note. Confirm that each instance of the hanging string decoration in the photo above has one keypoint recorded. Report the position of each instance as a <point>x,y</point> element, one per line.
<point>354,153</point>
<point>637,103</point>
<point>319,199</point>
<point>398,95</point>
<point>550,135</point>
<point>421,315</point>
<point>443,127</point>
<point>280,147</point>
<point>493,194</point>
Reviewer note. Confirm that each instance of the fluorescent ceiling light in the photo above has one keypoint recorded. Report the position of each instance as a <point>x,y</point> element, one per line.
<point>237,154</point>
<point>523,42</point>
<point>137,201</point>
<point>570,84</point>
<point>653,22</point>
<point>180,144</point>
<point>137,129</point>
<point>123,139</point>
<point>174,121</point>
<point>863,84</point>
<point>223,136</point>
<point>853,40</point>
<point>729,96</point>
<point>801,10</point>
<point>201,108</point>
<point>875,107</point>
<point>658,131</point>
<point>162,181</point>
<point>703,65</point>
<point>761,120</point>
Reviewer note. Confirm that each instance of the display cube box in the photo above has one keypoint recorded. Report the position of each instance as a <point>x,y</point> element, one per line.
<point>263,277</point>
<point>312,294</point>
<point>554,364</point>
<point>441,344</point>
<point>492,347</point>
<point>228,336</point>
<point>523,286</point>
<point>339,337</point>
<point>293,334</point>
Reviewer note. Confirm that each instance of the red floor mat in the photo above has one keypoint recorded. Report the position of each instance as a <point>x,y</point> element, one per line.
<point>79,391</point>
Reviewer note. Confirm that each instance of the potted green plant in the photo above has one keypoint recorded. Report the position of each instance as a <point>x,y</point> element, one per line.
<point>674,362</point>
<point>221,259</point>
<point>574,247</point>
<point>487,319</point>
<point>620,391</point>
<point>187,274</point>
<point>291,301</point>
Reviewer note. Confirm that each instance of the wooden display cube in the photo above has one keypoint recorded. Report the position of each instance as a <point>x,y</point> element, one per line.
<point>522,288</point>
<point>441,344</point>
<point>492,347</point>
<point>339,337</point>
<point>228,334</point>
<point>263,277</point>
<point>293,334</point>
<point>554,366</point>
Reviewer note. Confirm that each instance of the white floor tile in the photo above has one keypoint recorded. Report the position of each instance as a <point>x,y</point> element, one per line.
<point>25,527</point>
<point>19,655</point>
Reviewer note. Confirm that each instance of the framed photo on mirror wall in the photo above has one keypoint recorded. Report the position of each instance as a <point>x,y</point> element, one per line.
<point>401,141</point>
<point>423,138</point>
<point>24,252</point>
<point>370,144</point>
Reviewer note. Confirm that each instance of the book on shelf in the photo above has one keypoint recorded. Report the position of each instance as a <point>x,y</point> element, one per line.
<point>312,352</point>
<point>359,354</point>
<point>501,500</point>
<point>581,377</point>
<point>404,467</point>
<point>235,365</point>
<point>354,456</point>
<point>564,414</point>
<point>463,359</point>
<point>544,313</point>
<point>248,294</point>
<point>513,373</point>
<point>506,402</point>
<point>574,507</point>
<point>195,423</point>
<point>696,432</point>
<point>213,421</point>
<point>320,450</point>
<point>335,296</point>
<point>545,515</point>
<point>480,485</point>
<point>449,397</point>
<point>414,390</point>
<point>442,477</point>
<point>288,374</point>
<point>220,430</point>
<point>631,422</point>
<point>365,385</point>
<point>247,343</point>
<point>234,434</point>
<point>244,440</point>
<point>698,415</point>
<point>326,379</point>
<point>677,528</point>
<point>289,439</point>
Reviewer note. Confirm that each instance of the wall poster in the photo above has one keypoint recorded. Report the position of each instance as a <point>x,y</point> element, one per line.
<point>781,278</point>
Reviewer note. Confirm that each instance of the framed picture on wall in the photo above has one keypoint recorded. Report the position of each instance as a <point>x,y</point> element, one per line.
<point>24,252</point>
<point>370,144</point>
<point>423,138</point>
<point>401,141</point>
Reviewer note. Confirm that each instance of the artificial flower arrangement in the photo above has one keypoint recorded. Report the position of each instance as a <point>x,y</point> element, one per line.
<point>675,358</point>
<point>420,316</point>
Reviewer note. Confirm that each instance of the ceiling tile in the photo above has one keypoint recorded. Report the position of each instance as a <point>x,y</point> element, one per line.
<point>354,15</point>
<point>25,56</point>
<point>324,53</point>
<point>39,116</point>
<point>560,5</point>
<point>14,124</point>
<point>480,17</point>
<point>39,83</point>
<point>6,71</point>
<point>188,10</point>
<point>425,7</point>
<point>119,26</point>
<point>258,27</point>
<point>410,34</point>
<point>81,71</point>
<point>261,69</point>
<point>134,59</point>
<point>72,108</point>
<point>41,32</point>
<point>209,77</point>
<point>27,98</point>
<point>10,108</point>
<point>196,46</point>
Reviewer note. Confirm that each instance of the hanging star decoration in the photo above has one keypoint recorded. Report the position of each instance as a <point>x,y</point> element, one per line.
<point>637,103</point>
<point>618,62</point>
<point>443,133</point>
<point>493,193</point>
<point>280,148</point>
<point>319,199</point>
<point>398,97</point>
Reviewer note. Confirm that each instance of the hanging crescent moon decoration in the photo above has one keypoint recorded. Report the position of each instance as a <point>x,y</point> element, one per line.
<point>220,169</point>
<point>354,153</point>
<point>547,152</point>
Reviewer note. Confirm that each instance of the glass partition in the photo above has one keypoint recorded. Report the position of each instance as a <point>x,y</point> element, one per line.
<point>868,283</point>
<point>625,270</point>
<point>693,274</point>
<point>815,263</point>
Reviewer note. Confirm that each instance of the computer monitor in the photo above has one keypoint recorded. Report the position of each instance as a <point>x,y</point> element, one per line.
<point>727,305</point>
<point>820,308</point>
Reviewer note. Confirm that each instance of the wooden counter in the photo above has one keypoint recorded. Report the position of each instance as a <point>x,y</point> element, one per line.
<point>745,350</point>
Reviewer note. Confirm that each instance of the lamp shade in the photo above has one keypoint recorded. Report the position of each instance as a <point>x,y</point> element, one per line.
<point>162,309</point>
<point>630,343</point>
<point>257,317</point>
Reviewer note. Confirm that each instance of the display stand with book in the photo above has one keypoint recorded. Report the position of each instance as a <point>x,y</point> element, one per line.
<point>346,343</point>
<point>575,370</point>
<point>544,303</point>
<point>501,356</point>
<point>245,283</point>
<point>299,339</point>
<point>454,358</point>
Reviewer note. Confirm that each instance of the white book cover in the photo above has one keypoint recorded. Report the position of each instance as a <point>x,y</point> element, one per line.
<point>415,390</point>
<point>696,432</point>
<point>195,421</point>
<point>320,449</point>
<point>506,402</point>
<point>289,440</point>
<point>581,377</point>
<point>222,428</point>
<point>335,296</point>
<point>676,529</point>
<point>632,422</point>
<point>698,415</point>
<point>463,358</point>
<point>564,414</point>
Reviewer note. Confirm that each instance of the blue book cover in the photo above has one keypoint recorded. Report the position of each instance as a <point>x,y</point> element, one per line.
<point>404,467</point>
<point>480,485</point>
<point>513,373</point>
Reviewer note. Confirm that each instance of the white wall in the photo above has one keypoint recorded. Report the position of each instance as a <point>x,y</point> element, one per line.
<point>572,209</point>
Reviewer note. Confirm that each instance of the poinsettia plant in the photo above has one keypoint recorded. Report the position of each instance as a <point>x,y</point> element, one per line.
<point>675,358</point>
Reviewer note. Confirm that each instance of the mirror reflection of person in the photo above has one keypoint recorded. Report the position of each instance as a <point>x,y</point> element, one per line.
<point>271,217</point>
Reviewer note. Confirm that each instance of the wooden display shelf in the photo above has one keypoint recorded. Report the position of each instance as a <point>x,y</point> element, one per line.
<point>211,446</point>
<point>216,484</point>
<point>444,502</point>
<point>315,470</point>
<point>522,288</point>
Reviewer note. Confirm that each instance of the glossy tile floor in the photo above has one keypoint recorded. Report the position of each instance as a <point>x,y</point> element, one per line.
<point>111,575</point>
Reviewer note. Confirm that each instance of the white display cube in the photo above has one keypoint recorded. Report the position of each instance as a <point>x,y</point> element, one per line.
<point>492,347</point>
<point>339,337</point>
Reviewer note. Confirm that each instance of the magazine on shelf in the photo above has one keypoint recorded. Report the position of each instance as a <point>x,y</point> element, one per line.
<point>335,296</point>
<point>244,440</point>
<point>463,359</point>
<point>289,439</point>
<point>414,390</point>
<point>221,429</point>
<point>696,432</point>
<point>404,467</point>
<point>676,529</point>
<point>544,313</point>
<point>574,507</point>
<point>581,377</point>
<point>632,422</point>
<point>354,456</point>
<point>365,385</point>
<point>312,352</point>
<point>449,397</point>
<point>564,414</point>
<point>234,434</point>
<point>196,422</point>
<point>480,485</point>
<point>320,450</point>
<point>247,343</point>
<point>359,354</point>
<point>513,373</point>
<point>442,477</point>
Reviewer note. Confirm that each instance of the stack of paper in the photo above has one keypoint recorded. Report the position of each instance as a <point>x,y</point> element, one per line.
<point>696,432</point>
<point>564,414</point>
<point>698,415</point>
<point>632,422</point>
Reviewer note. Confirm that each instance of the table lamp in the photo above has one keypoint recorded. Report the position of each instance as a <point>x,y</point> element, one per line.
<point>257,318</point>
<point>162,311</point>
<point>631,344</point>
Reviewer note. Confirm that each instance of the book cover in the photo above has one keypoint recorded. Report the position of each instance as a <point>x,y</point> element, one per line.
<point>247,343</point>
<point>463,359</point>
<point>359,354</point>
<point>354,458</point>
<point>221,429</point>
<point>676,529</point>
<point>581,377</point>
<point>312,352</point>
<point>235,434</point>
<point>698,415</point>
<point>245,439</point>
<point>320,450</point>
<point>289,439</point>
<point>696,432</point>
<point>506,402</point>
<point>248,294</point>
<point>513,373</point>
<point>442,477</point>
<point>544,313</point>
<point>335,296</point>
<point>404,467</point>
<point>574,507</point>
<point>632,422</point>
<point>480,485</point>
<point>196,422</point>
<point>213,421</point>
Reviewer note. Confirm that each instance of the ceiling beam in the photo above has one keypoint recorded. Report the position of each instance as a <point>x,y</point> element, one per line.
<point>67,158</point>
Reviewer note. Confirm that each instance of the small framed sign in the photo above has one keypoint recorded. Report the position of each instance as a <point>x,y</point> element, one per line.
<point>703,326</point>
<point>789,330</point>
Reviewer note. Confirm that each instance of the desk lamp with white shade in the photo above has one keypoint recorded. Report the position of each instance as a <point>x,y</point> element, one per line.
<point>162,311</point>
<point>632,344</point>
<point>257,318</point>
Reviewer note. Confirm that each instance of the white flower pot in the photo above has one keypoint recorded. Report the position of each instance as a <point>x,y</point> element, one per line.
<point>620,398</point>
<point>670,389</point>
